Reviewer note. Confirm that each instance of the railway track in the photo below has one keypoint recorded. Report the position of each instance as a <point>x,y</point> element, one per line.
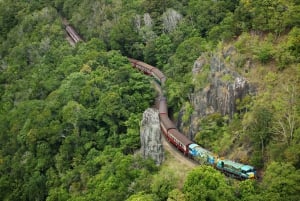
<point>176,138</point>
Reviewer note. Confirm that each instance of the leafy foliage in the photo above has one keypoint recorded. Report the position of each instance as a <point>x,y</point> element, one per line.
<point>212,129</point>
<point>281,181</point>
<point>61,108</point>
<point>69,117</point>
<point>206,183</point>
<point>275,16</point>
<point>258,128</point>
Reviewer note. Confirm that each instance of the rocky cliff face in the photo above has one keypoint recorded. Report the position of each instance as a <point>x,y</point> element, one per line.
<point>151,142</point>
<point>219,92</point>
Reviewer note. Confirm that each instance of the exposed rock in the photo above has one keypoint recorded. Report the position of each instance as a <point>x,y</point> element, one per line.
<point>223,87</point>
<point>151,142</point>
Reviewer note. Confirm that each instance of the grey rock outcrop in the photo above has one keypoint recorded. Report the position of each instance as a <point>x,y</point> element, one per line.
<point>221,91</point>
<point>151,139</point>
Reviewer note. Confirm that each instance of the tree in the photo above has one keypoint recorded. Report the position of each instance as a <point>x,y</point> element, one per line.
<point>267,15</point>
<point>186,53</point>
<point>257,125</point>
<point>179,68</point>
<point>122,37</point>
<point>212,130</point>
<point>225,30</point>
<point>156,8</point>
<point>281,181</point>
<point>163,49</point>
<point>35,188</point>
<point>286,119</point>
<point>289,52</point>
<point>57,194</point>
<point>247,189</point>
<point>176,195</point>
<point>206,183</point>
<point>131,140</point>
<point>74,113</point>
<point>162,184</point>
<point>120,176</point>
<point>206,14</point>
<point>141,197</point>
<point>8,17</point>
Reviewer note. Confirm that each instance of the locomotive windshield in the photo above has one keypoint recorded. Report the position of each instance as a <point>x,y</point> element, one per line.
<point>247,169</point>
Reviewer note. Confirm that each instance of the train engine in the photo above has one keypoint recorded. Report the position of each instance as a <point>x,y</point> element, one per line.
<point>236,170</point>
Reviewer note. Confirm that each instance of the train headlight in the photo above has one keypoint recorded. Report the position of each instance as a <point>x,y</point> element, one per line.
<point>251,175</point>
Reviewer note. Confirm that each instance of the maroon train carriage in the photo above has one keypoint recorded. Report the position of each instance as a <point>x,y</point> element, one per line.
<point>146,68</point>
<point>169,129</point>
<point>132,61</point>
<point>166,124</point>
<point>179,140</point>
<point>163,108</point>
<point>159,75</point>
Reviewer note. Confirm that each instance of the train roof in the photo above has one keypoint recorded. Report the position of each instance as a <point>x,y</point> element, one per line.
<point>200,149</point>
<point>144,64</point>
<point>237,165</point>
<point>179,136</point>
<point>162,98</point>
<point>247,168</point>
<point>168,124</point>
<point>163,108</point>
<point>132,60</point>
<point>158,73</point>
<point>193,145</point>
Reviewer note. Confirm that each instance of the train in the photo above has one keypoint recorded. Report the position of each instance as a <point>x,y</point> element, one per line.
<point>179,140</point>
<point>149,70</point>
<point>183,143</point>
<point>73,34</point>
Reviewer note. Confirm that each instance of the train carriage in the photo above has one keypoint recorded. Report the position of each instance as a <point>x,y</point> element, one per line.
<point>159,75</point>
<point>166,124</point>
<point>163,108</point>
<point>237,170</point>
<point>73,34</point>
<point>179,140</point>
<point>149,70</point>
<point>202,155</point>
<point>146,68</point>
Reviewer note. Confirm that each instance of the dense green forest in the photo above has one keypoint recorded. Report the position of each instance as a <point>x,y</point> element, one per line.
<point>69,116</point>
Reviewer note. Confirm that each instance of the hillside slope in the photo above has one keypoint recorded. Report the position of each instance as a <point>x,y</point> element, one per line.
<point>69,117</point>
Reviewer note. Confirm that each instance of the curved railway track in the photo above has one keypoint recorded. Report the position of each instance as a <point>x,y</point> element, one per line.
<point>171,134</point>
